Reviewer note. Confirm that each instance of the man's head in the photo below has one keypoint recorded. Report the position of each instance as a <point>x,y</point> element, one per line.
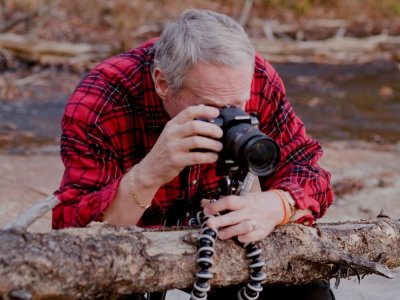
<point>204,39</point>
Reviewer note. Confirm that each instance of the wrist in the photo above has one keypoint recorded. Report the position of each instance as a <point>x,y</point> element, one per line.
<point>141,177</point>
<point>141,190</point>
<point>288,208</point>
<point>292,205</point>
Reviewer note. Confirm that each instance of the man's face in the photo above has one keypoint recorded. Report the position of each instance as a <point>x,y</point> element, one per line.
<point>214,86</point>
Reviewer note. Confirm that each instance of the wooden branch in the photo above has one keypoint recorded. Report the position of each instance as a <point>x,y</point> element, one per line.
<point>48,52</point>
<point>27,218</point>
<point>339,49</point>
<point>104,260</point>
<point>244,16</point>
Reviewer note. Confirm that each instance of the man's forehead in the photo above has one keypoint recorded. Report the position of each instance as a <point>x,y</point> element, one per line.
<point>219,78</point>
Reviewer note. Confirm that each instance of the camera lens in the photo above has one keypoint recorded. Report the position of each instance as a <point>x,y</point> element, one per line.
<point>252,149</point>
<point>262,155</point>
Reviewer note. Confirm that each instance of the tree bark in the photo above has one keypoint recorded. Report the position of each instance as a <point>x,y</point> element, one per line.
<point>104,260</point>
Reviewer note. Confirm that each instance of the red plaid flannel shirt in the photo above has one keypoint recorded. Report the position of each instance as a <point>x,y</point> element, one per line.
<point>114,117</point>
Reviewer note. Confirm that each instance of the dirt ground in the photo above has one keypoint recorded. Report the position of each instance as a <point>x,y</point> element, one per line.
<point>366,178</point>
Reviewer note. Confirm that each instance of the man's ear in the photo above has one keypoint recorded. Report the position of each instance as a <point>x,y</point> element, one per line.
<point>161,84</point>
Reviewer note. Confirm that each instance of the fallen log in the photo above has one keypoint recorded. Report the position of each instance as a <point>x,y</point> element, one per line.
<point>105,260</point>
<point>52,52</point>
<point>336,50</point>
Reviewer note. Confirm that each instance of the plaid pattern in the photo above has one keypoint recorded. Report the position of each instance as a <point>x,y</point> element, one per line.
<point>114,118</point>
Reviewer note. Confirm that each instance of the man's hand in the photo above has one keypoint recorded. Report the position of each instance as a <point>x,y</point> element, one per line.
<point>172,151</point>
<point>170,154</point>
<point>251,217</point>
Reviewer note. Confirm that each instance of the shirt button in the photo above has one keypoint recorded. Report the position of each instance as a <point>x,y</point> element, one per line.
<point>194,182</point>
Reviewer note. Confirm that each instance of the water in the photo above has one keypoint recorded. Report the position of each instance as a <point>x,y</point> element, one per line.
<point>346,102</point>
<point>335,102</point>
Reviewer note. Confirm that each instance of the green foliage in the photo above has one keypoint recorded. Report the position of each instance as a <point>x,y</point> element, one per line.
<point>394,5</point>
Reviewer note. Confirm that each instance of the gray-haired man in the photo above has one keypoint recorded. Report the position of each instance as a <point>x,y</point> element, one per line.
<point>131,130</point>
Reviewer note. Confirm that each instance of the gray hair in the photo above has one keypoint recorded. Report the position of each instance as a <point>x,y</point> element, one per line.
<point>200,36</point>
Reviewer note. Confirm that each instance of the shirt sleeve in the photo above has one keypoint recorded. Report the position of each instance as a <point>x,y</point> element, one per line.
<point>298,171</point>
<point>90,180</point>
<point>88,150</point>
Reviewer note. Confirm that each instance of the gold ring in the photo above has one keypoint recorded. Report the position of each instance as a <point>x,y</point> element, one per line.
<point>253,223</point>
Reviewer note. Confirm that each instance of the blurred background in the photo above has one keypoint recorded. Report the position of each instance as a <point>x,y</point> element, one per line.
<point>339,60</point>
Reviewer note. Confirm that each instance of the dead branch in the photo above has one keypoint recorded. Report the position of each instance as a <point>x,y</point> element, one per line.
<point>35,212</point>
<point>338,50</point>
<point>104,260</point>
<point>51,52</point>
<point>244,16</point>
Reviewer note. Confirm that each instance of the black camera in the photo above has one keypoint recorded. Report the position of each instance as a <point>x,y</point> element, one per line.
<point>244,146</point>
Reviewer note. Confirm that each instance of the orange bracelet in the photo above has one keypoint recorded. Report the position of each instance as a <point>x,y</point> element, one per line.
<point>287,211</point>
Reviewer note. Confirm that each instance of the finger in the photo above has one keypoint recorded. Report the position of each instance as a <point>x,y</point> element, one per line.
<point>204,202</point>
<point>197,158</point>
<point>197,111</point>
<point>198,127</point>
<point>225,203</point>
<point>198,142</point>
<point>241,228</point>
<point>228,219</point>
<point>252,236</point>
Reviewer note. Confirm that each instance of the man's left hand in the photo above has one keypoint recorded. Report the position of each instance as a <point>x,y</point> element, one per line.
<point>250,217</point>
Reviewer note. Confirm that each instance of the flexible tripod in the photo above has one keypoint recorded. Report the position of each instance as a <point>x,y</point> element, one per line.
<point>231,184</point>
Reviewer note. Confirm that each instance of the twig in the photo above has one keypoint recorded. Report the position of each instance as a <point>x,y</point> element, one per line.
<point>31,78</point>
<point>268,32</point>
<point>244,16</point>
<point>340,32</point>
<point>6,54</point>
<point>247,183</point>
<point>28,217</point>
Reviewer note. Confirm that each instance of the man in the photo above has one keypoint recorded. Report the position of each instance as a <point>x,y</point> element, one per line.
<point>131,130</point>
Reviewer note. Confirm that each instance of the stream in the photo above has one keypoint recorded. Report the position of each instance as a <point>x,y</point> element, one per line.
<point>336,102</point>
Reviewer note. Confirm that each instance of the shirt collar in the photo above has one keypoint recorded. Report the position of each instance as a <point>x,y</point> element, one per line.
<point>156,116</point>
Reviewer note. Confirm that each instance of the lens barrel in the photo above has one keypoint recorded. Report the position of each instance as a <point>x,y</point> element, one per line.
<point>251,149</point>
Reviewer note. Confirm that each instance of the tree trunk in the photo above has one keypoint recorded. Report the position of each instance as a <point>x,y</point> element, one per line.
<point>105,260</point>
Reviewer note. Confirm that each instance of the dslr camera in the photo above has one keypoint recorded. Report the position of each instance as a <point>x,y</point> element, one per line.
<point>245,147</point>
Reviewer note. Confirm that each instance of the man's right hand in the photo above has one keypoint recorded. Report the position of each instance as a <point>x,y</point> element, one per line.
<point>169,156</point>
<point>172,151</point>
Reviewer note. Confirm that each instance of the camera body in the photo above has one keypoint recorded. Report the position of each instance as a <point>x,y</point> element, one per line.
<point>244,145</point>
